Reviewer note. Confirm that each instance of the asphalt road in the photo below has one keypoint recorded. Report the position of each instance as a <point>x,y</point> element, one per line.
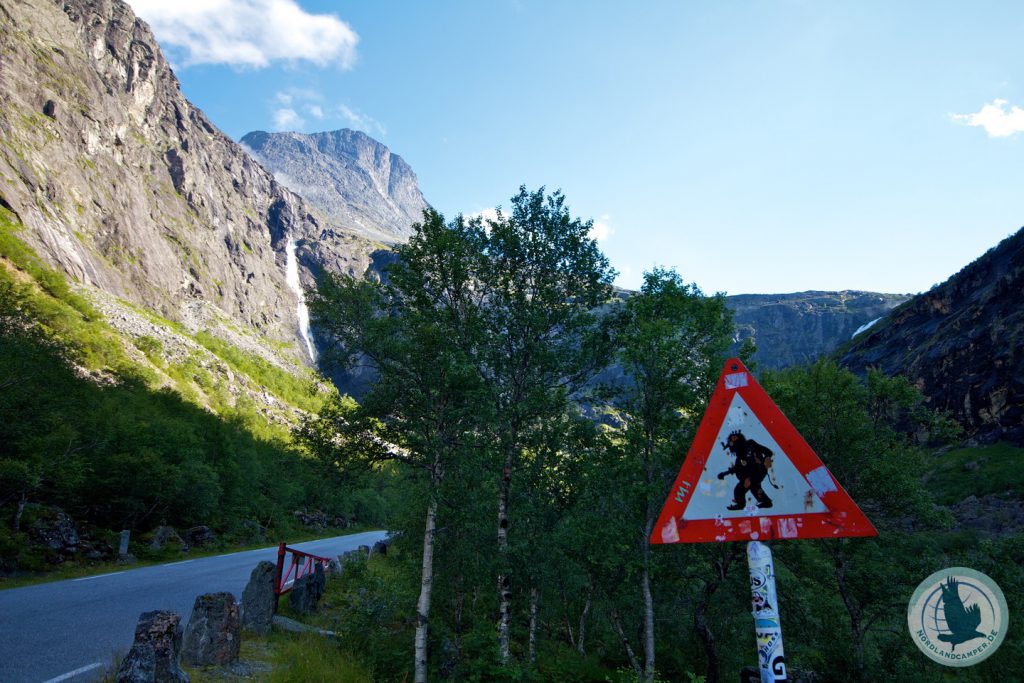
<point>73,630</point>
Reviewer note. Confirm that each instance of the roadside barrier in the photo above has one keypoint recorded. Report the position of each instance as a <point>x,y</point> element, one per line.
<point>301,565</point>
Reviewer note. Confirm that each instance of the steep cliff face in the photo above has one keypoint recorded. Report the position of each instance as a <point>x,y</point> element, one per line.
<point>354,180</point>
<point>126,186</point>
<point>790,329</point>
<point>962,344</point>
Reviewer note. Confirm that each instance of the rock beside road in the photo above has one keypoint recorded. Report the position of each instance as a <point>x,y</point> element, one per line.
<point>307,591</point>
<point>213,634</point>
<point>163,535</point>
<point>154,654</point>
<point>200,537</point>
<point>292,626</point>
<point>258,599</point>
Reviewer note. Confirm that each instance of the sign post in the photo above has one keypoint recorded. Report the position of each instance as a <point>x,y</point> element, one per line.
<point>750,476</point>
<point>771,660</point>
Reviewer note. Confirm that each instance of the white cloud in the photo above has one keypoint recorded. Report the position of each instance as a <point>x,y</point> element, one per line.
<point>248,33</point>
<point>602,229</point>
<point>284,98</point>
<point>316,111</point>
<point>490,214</point>
<point>287,119</point>
<point>998,119</point>
<point>361,121</point>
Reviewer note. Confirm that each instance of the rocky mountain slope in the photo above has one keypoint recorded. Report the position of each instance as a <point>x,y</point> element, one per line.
<point>790,329</point>
<point>962,344</point>
<point>125,186</point>
<point>357,182</point>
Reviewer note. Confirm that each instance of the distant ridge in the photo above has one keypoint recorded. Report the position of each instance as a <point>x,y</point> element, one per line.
<point>792,329</point>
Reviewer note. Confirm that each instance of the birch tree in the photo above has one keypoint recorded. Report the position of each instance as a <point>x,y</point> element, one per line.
<point>417,329</point>
<point>542,275</point>
<point>670,339</point>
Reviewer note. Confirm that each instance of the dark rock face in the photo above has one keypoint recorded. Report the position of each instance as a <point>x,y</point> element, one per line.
<point>792,329</point>
<point>153,657</point>
<point>258,599</point>
<point>354,180</point>
<point>961,344</point>
<point>213,634</point>
<point>306,591</point>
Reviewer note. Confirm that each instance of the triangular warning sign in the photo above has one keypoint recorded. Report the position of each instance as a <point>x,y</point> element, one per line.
<point>749,476</point>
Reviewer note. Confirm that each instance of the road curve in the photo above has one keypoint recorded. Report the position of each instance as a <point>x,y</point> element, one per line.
<point>72,630</point>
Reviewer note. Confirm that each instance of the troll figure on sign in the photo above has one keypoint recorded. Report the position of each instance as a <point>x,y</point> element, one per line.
<point>750,467</point>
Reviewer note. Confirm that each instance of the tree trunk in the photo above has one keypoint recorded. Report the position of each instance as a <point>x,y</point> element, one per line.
<point>645,582</point>
<point>426,583</point>
<point>504,579</point>
<point>707,638</point>
<point>580,645</point>
<point>534,598</point>
<point>17,513</point>
<point>726,558</point>
<point>853,609</point>
<point>617,623</point>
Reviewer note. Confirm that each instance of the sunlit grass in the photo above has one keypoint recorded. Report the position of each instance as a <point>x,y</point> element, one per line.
<point>953,477</point>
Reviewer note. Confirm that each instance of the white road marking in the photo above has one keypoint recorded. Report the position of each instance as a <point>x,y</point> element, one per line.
<point>171,564</point>
<point>79,670</point>
<point>98,576</point>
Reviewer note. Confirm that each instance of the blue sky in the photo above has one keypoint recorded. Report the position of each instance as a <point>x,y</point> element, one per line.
<point>753,146</point>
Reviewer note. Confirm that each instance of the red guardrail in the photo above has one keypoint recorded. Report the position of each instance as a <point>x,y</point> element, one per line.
<point>301,565</point>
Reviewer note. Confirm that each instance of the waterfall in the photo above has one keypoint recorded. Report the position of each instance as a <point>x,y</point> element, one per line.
<point>291,272</point>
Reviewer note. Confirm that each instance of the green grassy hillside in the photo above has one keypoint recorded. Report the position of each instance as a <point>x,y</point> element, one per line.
<point>131,433</point>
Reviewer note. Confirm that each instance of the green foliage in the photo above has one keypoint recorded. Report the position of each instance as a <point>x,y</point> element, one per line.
<point>297,391</point>
<point>22,256</point>
<point>370,609</point>
<point>979,471</point>
<point>118,453</point>
<point>152,347</point>
<point>312,657</point>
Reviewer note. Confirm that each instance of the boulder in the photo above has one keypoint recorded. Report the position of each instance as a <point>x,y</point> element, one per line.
<point>213,634</point>
<point>258,599</point>
<point>381,547</point>
<point>55,530</point>
<point>163,535</point>
<point>990,515</point>
<point>153,657</point>
<point>307,591</point>
<point>200,537</point>
<point>315,520</point>
<point>365,550</point>
<point>253,529</point>
<point>291,626</point>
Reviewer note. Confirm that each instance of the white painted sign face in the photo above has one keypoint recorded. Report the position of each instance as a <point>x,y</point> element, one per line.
<point>754,483</point>
<point>749,476</point>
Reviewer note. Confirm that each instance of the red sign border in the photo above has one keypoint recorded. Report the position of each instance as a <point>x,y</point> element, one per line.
<point>842,519</point>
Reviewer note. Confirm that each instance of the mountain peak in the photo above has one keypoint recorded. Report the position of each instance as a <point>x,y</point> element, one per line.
<point>355,180</point>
